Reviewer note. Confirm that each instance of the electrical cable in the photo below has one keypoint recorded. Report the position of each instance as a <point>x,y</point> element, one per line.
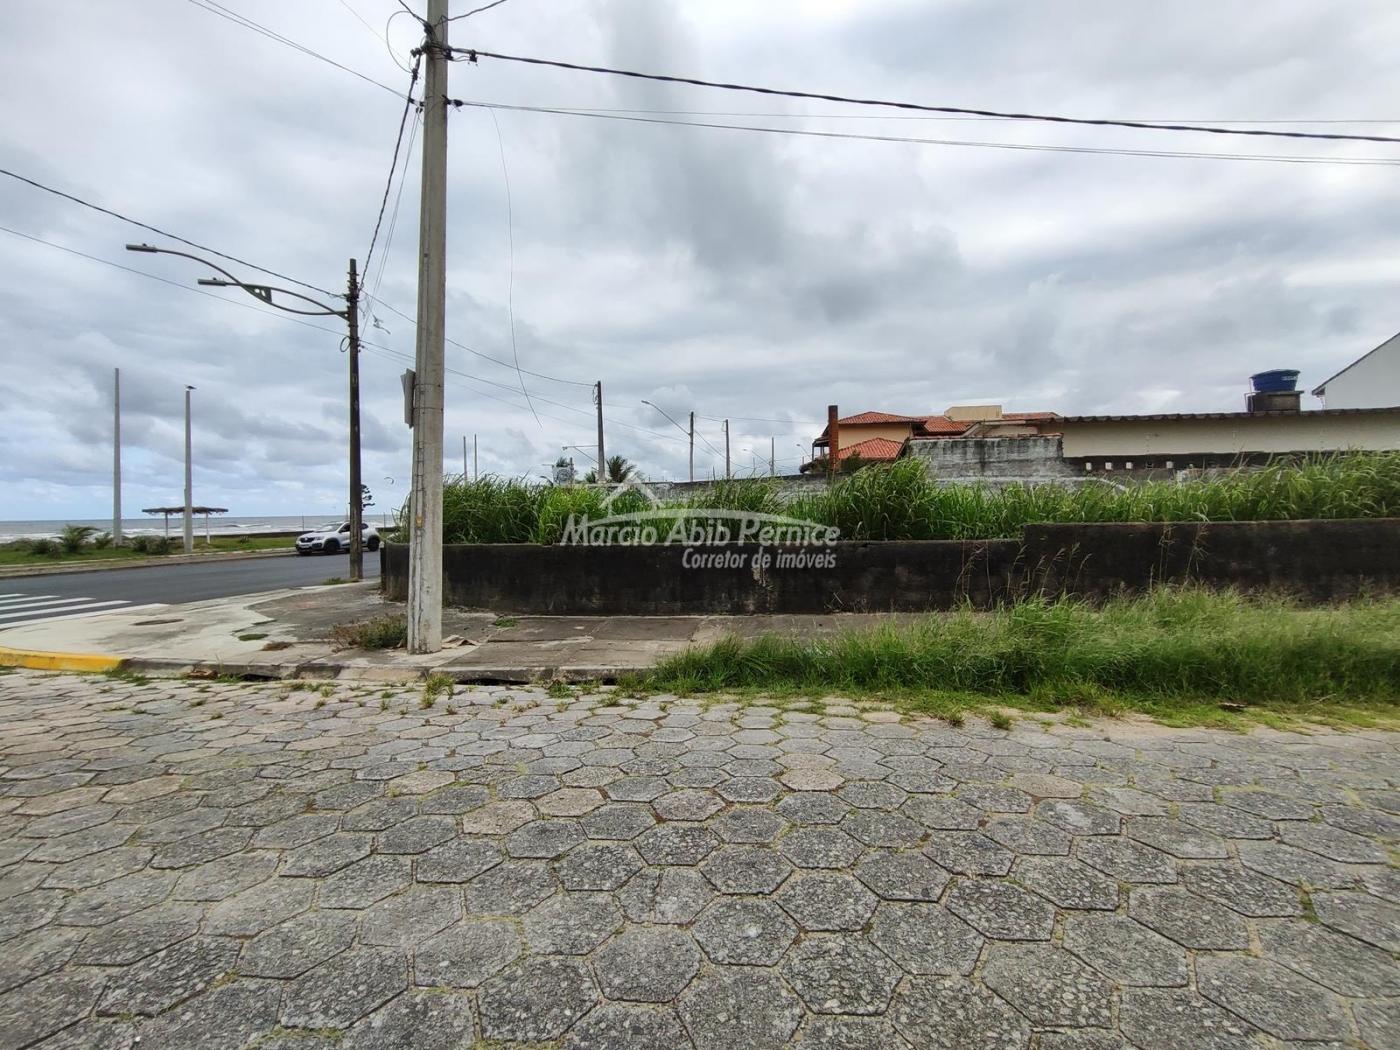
<point>510,287</point>
<point>477,11</point>
<point>373,297</point>
<point>473,54</point>
<point>393,163</point>
<point>174,237</point>
<point>912,140</point>
<point>215,8</point>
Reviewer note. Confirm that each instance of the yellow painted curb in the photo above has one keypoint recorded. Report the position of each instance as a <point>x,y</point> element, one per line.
<point>37,661</point>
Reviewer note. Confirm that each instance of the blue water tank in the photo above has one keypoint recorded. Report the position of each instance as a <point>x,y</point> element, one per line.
<point>1275,381</point>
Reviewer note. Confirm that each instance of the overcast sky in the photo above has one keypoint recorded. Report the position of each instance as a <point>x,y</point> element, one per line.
<point>759,277</point>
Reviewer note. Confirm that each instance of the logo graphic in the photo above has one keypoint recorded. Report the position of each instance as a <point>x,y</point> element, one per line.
<point>711,537</point>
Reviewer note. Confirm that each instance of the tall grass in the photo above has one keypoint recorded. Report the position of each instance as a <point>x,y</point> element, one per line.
<point>1172,644</point>
<point>899,501</point>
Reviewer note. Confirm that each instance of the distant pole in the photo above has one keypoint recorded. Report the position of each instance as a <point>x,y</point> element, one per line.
<point>692,446</point>
<point>425,522</point>
<point>117,457</point>
<point>476,465</point>
<point>465,474</point>
<point>189,479</point>
<point>772,457</point>
<point>727,472</point>
<point>357,495</point>
<point>602,470</point>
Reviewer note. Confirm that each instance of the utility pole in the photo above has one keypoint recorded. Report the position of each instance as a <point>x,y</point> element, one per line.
<point>465,475</point>
<point>772,457</point>
<point>692,446</point>
<point>116,457</point>
<point>727,472</point>
<point>357,492</point>
<point>833,439</point>
<point>189,480</point>
<point>476,466</point>
<point>425,523</point>
<point>598,396</point>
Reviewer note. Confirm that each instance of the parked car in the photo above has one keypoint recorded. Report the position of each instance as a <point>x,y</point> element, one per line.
<point>335,538</point>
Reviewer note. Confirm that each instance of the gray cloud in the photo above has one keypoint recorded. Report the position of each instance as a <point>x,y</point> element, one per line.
<point>717,271</point>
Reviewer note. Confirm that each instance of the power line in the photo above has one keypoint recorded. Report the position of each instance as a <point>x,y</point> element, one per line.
<point>373,297</point>
<point>164,233</point>
<point>215,8</point>
<point>393,162</point>
<point>477,10</point>
<point>369,347</point>
<point>472,54</point>
<point>486,357</point>
<point>1021,146</point>
<point>917,116</point>
<point>760,419</point>
<point>510,287</point>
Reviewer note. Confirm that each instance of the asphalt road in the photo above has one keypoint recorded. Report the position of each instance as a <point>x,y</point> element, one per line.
<point>40,597</point>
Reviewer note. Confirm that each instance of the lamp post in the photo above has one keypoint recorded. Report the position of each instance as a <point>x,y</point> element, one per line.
<point>264,293</point>
<point>682,429</point>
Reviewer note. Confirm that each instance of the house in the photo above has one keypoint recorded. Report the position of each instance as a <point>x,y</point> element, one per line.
<point>879,437</point>
<point>1371,381</point>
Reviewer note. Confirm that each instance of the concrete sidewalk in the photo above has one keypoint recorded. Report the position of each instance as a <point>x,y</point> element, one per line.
<point>287,634</point>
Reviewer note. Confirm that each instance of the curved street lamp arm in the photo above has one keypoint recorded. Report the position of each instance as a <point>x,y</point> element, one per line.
<point>668,416</point>
<point>261,292</point>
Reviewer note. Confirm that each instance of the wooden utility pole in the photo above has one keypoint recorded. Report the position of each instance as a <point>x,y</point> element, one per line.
<point>602,460</point>
<point>357,492</point>
<point>692,446</point>
<point>116,457</point>
<point>727,472</point>
<point>425,521</point>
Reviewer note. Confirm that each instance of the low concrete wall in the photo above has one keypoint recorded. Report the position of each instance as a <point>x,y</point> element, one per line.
<point>1316,560</point>
<point>1030,459</point>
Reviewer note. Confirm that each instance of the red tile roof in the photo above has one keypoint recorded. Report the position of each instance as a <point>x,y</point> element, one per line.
<point>872,450</point>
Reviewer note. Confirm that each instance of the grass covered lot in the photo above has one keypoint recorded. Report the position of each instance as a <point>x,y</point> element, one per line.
<point>1184,656</point>
<point>899,502</point>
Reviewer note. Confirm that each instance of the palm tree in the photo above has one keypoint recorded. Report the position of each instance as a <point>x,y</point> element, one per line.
<point>619,470</point>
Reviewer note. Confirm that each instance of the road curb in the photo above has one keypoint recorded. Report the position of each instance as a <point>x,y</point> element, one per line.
<point>331,670</point>
<point>41,661</point>
<point>111,565</point>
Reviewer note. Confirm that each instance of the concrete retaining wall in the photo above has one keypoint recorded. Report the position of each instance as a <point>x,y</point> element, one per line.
<point>1316,560</point>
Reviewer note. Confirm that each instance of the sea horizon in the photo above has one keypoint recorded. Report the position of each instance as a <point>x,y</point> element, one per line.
<point>153,524</point>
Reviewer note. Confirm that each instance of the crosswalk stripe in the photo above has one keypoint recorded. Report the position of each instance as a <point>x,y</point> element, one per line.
<point>80,615</point>
<point>39,599</point>
<point>72,606</point>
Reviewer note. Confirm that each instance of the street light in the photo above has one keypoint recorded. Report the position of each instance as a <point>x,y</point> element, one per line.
<point>690,433</point>
<point>264,294</point>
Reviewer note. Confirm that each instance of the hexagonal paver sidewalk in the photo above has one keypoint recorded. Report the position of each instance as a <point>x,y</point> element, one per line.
<point>236,866</point>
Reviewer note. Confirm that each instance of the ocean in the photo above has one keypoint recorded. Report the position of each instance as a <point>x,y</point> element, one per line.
<point>219,525</point>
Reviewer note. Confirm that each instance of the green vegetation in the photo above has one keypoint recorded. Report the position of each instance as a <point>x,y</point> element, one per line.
<point>505,621</point>
<point>382,632</point>
<point>1178,653</point>
<point>95,546</point>
<point>434,686</point>
<point>898,501</point>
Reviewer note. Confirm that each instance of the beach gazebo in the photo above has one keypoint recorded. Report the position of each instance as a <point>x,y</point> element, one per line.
<point>167,511</point>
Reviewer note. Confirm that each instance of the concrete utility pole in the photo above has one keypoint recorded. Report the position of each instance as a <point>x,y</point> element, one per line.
<point>772,458</point>
<point>425,522</point>
<point>357,493</point>
<point>598,396</point>
<point>189,480</point>
<point>465,475</point>
<point>692,446</point>
<point>727,472</point>
<point>117,457</point>
<point>833,438</point>
<point>476,466</point>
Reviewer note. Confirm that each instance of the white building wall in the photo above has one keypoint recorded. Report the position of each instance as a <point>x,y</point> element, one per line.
<point>1372,382</point>
<point>1305,432</point>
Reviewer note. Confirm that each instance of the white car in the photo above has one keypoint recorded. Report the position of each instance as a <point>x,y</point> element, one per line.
<point>335,538</point>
